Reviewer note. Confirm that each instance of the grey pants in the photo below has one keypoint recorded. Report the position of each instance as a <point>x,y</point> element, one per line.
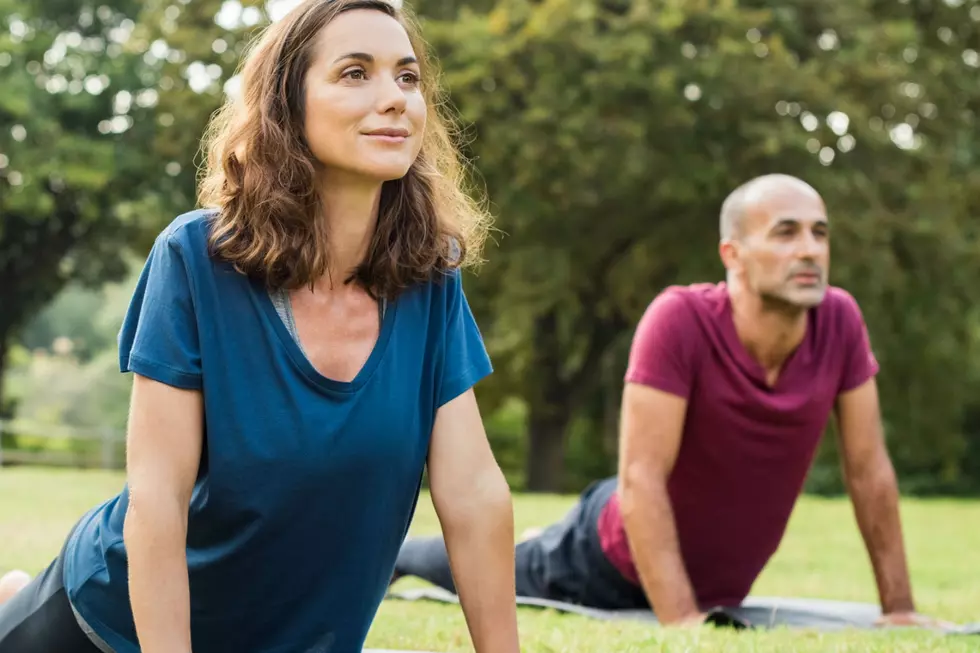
<point>563,563</point>
<point>39,618</point>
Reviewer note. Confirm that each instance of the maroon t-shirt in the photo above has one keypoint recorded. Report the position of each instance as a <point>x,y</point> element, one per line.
<point>746,448</point>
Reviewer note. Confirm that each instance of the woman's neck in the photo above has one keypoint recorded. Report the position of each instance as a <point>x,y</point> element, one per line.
<point>351,212</point>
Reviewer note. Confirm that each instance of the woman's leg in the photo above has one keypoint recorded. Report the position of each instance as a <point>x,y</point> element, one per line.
<point>11,583</point>
<point>39,618</point>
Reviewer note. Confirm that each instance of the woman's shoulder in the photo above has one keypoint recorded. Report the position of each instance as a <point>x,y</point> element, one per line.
<point>433,300</point>
<point>446,279</point>
<point>445,284</point>
<point>188,232</point>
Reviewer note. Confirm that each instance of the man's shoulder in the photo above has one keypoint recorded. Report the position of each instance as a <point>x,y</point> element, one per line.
<point>838,297</point>
<point>684,312</point>
<point>686,302</point>
<point>839,319</point>
<point>692,294</point>
<point>669,338</point>
<point>840,306</point>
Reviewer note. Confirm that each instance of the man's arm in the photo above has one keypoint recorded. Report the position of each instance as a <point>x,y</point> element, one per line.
<point>873,488</point>
<point>650,435</point>
<point>473,503</point>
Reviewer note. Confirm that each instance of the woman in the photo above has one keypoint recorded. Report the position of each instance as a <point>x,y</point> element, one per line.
<point>300,352</point>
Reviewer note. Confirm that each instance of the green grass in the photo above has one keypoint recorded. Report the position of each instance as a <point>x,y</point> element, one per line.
<point>822,557</point>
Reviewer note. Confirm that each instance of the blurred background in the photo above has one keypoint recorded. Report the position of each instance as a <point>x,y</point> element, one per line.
<point>607,133</point>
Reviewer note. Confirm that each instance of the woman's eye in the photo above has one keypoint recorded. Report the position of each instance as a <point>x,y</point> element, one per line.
<point>355,74</point>
<point>410,78</point>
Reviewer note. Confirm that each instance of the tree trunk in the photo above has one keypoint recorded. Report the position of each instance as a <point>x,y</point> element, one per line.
<point>4,339</point>
<point>548,413</point>
<point>546,448</point>
<point>612,392</point>
<point>557,392</point>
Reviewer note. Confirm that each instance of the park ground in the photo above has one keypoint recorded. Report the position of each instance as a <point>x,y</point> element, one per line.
<point>821,557</point>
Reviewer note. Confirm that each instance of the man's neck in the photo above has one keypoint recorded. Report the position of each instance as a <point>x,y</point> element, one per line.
<point>351,212</point>
<point>770,333</point>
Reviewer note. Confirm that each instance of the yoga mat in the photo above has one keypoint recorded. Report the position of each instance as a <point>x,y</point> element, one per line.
<point>755,612</point>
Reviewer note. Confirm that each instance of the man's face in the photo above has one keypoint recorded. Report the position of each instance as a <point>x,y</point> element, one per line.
<point>783,252</point>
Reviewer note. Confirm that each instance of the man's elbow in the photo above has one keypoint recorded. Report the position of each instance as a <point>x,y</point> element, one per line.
<point>639,485</point>
<point>876,474</point>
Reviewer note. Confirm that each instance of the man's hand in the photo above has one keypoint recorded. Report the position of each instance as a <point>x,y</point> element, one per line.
<point>693,620</point>
<point>911,619</point>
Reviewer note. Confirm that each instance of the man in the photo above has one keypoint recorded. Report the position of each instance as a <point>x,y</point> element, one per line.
<point>728,391</point>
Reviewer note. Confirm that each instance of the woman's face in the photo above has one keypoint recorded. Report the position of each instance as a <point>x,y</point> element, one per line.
<point>365,113</point>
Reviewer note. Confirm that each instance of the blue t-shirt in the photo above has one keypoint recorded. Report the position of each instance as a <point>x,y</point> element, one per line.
<point>307,485</point>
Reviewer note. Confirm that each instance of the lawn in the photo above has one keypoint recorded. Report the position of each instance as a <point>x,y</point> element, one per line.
<point>822,557</point>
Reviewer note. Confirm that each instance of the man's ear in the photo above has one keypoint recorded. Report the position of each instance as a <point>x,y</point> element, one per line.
<point>728,251</point>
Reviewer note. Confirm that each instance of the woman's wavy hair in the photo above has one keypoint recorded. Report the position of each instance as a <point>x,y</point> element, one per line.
<point>260,173</point>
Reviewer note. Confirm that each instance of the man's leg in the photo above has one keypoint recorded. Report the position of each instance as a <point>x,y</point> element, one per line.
<point>568,564</point>
<point>426,558</point>
<point>564,562</point>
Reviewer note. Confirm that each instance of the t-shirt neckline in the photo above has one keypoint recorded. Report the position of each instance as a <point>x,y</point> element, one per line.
<point>303,364</point>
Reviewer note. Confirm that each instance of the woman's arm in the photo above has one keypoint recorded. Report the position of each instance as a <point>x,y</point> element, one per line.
<point>163,452</point>
<point>473,503</point>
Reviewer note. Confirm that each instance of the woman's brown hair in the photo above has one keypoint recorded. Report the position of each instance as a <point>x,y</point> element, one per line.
<point>260,174</point>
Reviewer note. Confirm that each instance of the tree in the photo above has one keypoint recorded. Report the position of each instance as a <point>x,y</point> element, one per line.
<point>70,165</point>
<point>99,124</point>
<point>608,134</point>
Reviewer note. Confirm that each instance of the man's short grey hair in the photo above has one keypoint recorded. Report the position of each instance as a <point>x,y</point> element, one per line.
<point>734,206</point>
<point>732,212</point>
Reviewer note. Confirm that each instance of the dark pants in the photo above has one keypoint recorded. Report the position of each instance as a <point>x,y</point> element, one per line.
<point>564,563</point>
<point>39,618</point>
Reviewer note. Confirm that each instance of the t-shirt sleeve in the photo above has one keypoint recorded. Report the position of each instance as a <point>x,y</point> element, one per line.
<point>664,346</point>
<point>159,337</point>
<point>860,363</point>
<point>465,359</point>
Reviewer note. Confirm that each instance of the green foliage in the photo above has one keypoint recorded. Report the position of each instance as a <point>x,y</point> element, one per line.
<point>58,390</point>
<point>98,134</point>
<point>70,312</point>
<point>608,134</point>
<point>69,157</point>
<point>89,318</point>
<point>67,374</point>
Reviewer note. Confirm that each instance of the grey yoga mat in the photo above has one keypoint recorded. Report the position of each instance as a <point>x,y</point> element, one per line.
<point>755,612</point>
